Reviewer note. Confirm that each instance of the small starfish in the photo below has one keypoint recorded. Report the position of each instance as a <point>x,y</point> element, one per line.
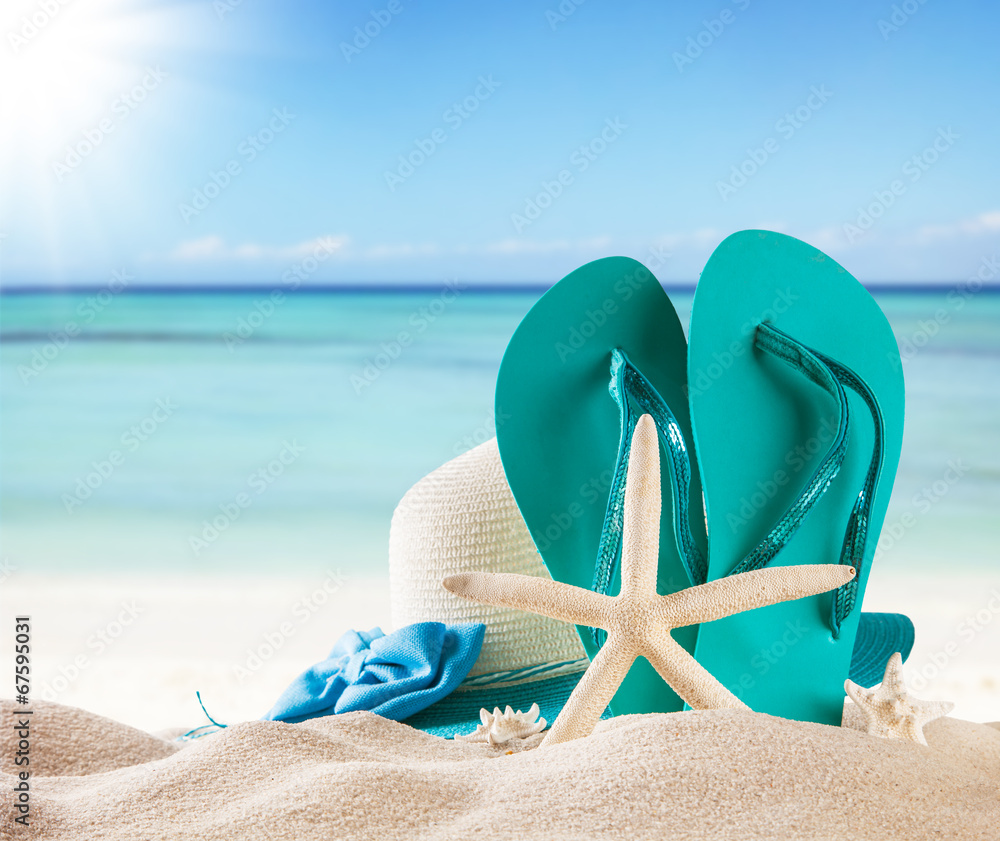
<point>638,620</point>
<point>891,711</point>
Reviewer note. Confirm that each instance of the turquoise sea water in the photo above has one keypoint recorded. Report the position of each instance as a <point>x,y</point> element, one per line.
<point>131,421</point>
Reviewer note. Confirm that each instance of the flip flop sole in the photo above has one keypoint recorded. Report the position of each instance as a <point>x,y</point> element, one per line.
<point>760,430</point>
<point>560,434</point>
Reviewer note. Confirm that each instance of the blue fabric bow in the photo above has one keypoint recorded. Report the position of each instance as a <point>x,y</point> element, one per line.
<point>394,675</point>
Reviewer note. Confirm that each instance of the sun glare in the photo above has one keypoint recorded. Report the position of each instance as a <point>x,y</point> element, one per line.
<point>64,64</point>
<point>68,71</point>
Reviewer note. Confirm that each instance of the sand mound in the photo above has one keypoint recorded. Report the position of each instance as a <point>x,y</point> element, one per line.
<point>723,774</point>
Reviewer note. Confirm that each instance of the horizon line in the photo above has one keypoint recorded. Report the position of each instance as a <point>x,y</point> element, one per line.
<point>485,287</point>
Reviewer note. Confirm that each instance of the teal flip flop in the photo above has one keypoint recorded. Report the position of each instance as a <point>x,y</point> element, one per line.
<point>564,440</point>
<point>796,395</point>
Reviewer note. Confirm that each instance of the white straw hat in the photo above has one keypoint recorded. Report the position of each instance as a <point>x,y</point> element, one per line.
<point>462,518</point>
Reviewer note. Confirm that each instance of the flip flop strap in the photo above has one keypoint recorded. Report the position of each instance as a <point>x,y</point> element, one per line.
<point>802,359</point>
<point>629,387</point>
<point>856,537</point>
<point>832,376</point>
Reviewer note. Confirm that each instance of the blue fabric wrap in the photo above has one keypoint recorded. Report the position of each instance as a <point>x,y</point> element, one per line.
<point>393,675</point>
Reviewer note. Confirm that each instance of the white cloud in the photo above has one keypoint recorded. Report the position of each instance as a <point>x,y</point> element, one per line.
<point>514,246</point>
<point>206,248</point>
<point>984,223</point>
<point>690,239</point>
<point>523,246</point>
<point>833,239</point>
<point>395,251</point>
<point>215,248</point>
<point>829,239</point>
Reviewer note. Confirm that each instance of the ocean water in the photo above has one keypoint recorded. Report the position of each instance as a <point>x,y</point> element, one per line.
<point>223,432</point>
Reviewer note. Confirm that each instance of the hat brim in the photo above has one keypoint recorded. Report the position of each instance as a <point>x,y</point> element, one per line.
<point>880,635</point>
<point>458,713</point>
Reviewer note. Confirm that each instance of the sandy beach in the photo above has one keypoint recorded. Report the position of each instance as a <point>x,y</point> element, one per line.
<point>135,649</point>
<point>723,774</point>
<point>306,308</point>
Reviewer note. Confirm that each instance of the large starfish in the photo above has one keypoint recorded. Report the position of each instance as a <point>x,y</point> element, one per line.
<point>638,620</point>
<point>891,711</point>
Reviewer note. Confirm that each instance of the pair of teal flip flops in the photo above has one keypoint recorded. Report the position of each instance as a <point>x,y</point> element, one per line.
<point>780,428</point>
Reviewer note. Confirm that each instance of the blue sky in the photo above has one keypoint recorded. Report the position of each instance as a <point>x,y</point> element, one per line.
<point>540,135</point>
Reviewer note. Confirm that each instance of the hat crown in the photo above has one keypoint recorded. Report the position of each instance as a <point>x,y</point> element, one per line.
<point>462,517</point>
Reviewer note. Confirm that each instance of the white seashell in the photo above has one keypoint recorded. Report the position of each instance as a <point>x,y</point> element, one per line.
<point>498,728</point>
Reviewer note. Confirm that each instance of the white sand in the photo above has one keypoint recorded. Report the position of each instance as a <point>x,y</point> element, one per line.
<point>239,642</point>
<point>203,634</point>
<point>956,656</point>
<point>724,774</point>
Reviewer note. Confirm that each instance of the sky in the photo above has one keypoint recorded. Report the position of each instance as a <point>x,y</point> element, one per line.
<point>232,141</point>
